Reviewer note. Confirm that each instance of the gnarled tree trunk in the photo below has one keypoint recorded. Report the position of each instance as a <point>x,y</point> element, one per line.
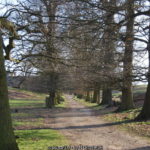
<point>52,86</point>
<point>127,96</point>
<point>88,96</point>
<point>7,138</point>
<point>107,97</point>
<point>145,113</point>
<point>98,97</point>
<point>95,96</point>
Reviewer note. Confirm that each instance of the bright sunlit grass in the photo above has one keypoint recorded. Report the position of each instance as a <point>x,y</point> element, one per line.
<point>24,103</point>
<point>39,139</point>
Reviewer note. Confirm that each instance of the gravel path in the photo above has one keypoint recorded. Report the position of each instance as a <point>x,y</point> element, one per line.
<point>79,124</point>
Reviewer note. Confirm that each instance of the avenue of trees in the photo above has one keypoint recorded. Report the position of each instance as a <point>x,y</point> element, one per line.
<point>81,46</point>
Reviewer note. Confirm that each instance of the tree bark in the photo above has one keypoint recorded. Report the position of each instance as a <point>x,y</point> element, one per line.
<point>91,96</point>
<point>52,98</point>
<point>95,96</point>
<point>50,101</point>
<point>88,96</point>
<point>145,113</point>
<point>127,96</point>
<point>52,87</point>
<point>109,48</point>
<point>7,138</point>
<point>98,97</point>
<point>107,97</point>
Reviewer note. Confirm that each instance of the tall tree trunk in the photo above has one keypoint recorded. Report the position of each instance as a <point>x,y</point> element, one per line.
<point>88,96</point>
<point>106,97</point>
<point>91,96</point>
<point>109,48</point>
<point>127,96</point>
<point>95,96</point>
<point>98,97</point>
<point>51,7</point>
<point>52,97</point>
<point>50,100</point>
<point>145,113</point>
<point>52,85</point>
<point>7,138</point>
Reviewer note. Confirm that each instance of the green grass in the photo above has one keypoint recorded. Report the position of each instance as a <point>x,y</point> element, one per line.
<point>30,93</point>
<point>116,93</point>
<point>63,104</point>
<point>38,122</point>
<point>21,114</point>
<point>139,89</point>
<point>32,99</point>
<point>39,139</point>
<point>140,128</point>
<point>24,103</point>
<point>88,104</point>
<point>22,98</point>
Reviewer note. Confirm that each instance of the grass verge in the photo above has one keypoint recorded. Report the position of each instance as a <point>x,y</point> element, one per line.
<point>39,139</point>
<point>29,119</point>
<point>94,106</point>
<point>123,119</point>
<point>63,104</point>
<point>126,121</point>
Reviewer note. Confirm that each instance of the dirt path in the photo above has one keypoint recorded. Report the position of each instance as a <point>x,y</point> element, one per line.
<point>79,124</point>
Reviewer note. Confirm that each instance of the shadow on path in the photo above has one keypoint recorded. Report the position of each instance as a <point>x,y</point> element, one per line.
<point>88,126</point>
<point>142,148</point>
<point>94,125</point>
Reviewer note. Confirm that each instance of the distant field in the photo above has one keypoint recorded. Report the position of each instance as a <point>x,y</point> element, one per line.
<point>138,92</point>
<point>139,88</point>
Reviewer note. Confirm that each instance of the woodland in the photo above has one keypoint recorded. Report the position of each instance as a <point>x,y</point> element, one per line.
<point>91,49</point>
